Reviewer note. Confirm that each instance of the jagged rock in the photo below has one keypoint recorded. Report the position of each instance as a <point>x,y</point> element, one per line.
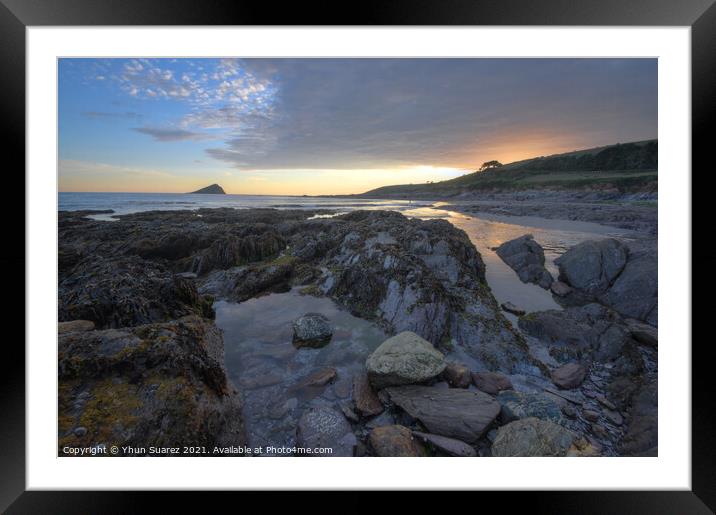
<point>449,446</point>
<point>406,358</point>
<point>312,330</point>
<point>455,413</point>
<point>491,382</point>
<point>526,257</point>
<point>75,325</point>
<point>517,405</point>
<point>326,428</point>
<point>511,308</point>
<point>457,375</point>
<point>532,437</point>
<point>395,441</point>
<point>569,376</point>
<point>157,384</point>
<point>592,266</point>
<point>365,399</point>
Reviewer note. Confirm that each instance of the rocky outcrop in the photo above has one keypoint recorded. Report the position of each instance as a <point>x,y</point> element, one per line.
<point>623,278</point>
<point>532,437</point>
<point>461,414</point>
<point>395,441</point>
<point>406,358</point>
<point>312,330</point>
<point>526,257</point>
<point>328,429</point>
<point>151,385</point>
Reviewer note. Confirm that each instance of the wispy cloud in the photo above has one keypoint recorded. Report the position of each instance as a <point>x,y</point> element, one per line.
<point>111,115</point>
<point>171,134</point>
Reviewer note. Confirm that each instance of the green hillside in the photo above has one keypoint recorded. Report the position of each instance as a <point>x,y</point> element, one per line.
<point>627,167</point>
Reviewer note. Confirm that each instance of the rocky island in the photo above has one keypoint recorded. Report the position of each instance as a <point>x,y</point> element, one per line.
<point>213,189</point>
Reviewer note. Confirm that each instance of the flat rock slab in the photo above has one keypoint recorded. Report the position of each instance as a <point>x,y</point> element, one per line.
<point>75,326</point>
<point>455,413</point>
<point>511,308</point>
<point>450,446</point>
<point>320,377</point>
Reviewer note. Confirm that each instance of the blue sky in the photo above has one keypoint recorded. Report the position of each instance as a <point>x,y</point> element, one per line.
<point>313,126</point>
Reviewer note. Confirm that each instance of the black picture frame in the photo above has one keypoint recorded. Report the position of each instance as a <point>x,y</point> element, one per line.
<point>16,15</point>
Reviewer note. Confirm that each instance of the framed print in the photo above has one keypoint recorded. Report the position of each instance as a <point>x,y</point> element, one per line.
<point>428,247</point>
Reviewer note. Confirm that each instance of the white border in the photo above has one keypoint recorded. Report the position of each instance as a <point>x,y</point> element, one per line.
<point>670,470</point>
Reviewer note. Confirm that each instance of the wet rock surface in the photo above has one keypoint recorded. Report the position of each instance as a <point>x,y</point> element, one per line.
<point>453,380</point>
<point>526,257</point>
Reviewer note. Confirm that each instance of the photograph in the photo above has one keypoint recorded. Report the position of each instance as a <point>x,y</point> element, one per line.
<point>357,256</point>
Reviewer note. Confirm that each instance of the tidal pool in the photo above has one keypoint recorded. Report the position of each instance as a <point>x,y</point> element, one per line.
<point>263,363</point>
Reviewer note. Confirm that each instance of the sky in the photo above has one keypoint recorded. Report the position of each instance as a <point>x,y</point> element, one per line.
<point>334,126</point>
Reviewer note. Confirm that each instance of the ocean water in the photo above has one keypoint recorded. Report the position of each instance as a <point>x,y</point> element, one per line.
<point>125,203</point>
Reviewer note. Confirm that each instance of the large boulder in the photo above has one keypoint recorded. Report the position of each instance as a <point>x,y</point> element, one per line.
<point>642,434</point>
<point>592,266</point>
<point>526,257</point>
<point>395,441</point>
<point>634,293</point>
<point>406,358</point>
<point>328,429</point>
<point>151,385</point>
<point>532,437</point>
<point>455,413</point>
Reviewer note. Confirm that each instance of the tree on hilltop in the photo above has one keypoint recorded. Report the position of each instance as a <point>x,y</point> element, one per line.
<point>490,165</point>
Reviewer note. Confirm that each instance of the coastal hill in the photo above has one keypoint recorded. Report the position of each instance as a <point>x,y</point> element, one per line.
<point>627,167</point>
<point>214,189</point>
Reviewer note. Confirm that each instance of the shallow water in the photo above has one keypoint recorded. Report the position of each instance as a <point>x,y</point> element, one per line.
<point>263,363</point>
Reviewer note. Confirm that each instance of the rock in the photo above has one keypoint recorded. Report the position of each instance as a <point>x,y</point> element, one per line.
<point>569,411</point>
<point>457,375</point>
<point>455,413</point>
<point>449,446</point>
<point>406,358</point>
<point>560,289</point>
<point>599,430</point>
<point>75,325</point>
<point>569,376</point>
<point>634,293</point>
<point>347,409</point>
<point>365,399</point>
<point>614,417</point>
<point>151,385</point>
<point>605,402</point>
<point>516,405</point>
<point>80,431</point>
<point>511,308</point>
<point>491,382</point>
<point>532,437</point>
<point>590,415</point>
<point>325,427</point>
<point>312,330</point>
<point>642,428</point>
<point>643,333</point>
<point>395,441</point>
<point>384,419</point>
<point>582,448</point>
<point>318,378</point>
<point>526,257</point>
<point>592,266</point>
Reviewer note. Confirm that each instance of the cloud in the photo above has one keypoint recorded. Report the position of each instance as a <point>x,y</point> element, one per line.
<point>170,134</point>
<point>106,115</point>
